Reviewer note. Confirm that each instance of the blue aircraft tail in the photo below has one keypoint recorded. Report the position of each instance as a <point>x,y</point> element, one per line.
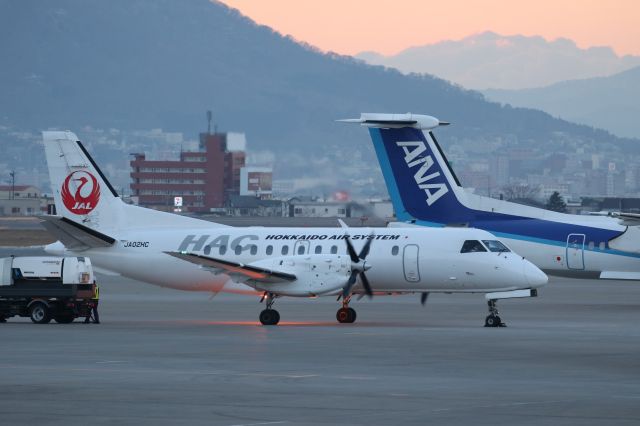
<point>421,183</point>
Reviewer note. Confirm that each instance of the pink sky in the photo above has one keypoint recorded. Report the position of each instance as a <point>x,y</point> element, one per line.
<point>351,26</point>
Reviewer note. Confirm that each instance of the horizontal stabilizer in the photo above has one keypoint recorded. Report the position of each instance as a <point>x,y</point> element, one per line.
<point>396,121</point>
<point>75,236</point>
<point>238,271</point>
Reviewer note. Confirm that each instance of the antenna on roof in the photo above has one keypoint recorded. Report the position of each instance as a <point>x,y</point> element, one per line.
<point>209,116</point>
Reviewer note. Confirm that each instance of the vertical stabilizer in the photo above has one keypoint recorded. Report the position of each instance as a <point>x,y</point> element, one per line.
<point>81,191</point>
<point>420,181</point>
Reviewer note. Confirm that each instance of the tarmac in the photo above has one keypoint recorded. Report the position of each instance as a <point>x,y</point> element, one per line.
<point>164,357</point>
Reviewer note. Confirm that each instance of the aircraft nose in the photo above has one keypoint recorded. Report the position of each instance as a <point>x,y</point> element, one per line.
<point>534,276</point>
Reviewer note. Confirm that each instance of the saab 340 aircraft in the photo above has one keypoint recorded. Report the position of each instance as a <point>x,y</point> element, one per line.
<point>424,190</point>
<point>191,254</point>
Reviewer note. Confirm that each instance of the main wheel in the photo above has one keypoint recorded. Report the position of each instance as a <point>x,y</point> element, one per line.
<point>492,321</point>
<point>346,315</point>
<point>39,313</point>
<point>269,317</point>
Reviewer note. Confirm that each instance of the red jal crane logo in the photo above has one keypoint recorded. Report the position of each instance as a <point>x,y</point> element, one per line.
<point>86,195</point>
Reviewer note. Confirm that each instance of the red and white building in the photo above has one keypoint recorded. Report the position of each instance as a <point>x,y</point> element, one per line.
<point>202,180</point>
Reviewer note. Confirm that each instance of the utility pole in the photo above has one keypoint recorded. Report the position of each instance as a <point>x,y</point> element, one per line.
<point>13,184</point>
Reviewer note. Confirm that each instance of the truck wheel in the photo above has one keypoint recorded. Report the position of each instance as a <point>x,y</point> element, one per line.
<point>64,318</point>
<point>39,313</point>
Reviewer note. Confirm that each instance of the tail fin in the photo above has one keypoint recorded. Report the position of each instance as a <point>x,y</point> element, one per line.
<point>420,181</point>
<point>81,191</point>
<point>83,194</point>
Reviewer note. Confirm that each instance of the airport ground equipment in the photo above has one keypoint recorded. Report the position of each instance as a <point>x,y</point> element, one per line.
<point>46,288</point>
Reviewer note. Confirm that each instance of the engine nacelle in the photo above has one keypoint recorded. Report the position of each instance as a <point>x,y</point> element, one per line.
<point>316,274</point>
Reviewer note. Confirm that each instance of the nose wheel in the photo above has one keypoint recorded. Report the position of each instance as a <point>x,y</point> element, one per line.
<point>493,319</point>
<point>269,316</point>
<point>346,315</point>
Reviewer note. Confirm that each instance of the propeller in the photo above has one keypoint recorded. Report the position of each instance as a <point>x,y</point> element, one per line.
<point>358,266</point>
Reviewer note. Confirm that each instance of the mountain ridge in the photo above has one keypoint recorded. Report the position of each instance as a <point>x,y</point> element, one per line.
<point>491,60</point>
<point>605,102</point>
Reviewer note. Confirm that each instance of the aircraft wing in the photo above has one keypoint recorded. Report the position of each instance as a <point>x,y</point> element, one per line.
<point>238,271</point>
<point>627,219</point>
<point>73,235</point>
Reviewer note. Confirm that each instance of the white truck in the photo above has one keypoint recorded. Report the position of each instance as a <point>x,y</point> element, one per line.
<point>46,288</point>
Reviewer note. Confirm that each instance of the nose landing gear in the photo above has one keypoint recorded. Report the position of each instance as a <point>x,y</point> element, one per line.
<point>269,316</point>
<point>493,319</point>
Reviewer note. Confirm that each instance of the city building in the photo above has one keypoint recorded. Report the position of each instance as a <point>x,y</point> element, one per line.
<point>249,205</point>
<point>256,181</point>
<point>303,208</point>
<point>20,200</point>
<point>199,181</point>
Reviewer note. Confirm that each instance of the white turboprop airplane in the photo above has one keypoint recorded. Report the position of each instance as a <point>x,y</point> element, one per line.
<point>192,254</point>
<point>425,191</point>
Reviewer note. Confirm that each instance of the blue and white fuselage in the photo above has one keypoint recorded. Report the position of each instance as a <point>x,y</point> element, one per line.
<point>425,191</point>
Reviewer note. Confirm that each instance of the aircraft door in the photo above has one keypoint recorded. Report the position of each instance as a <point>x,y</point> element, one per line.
<point>575,251</point>
<point>301,247</point>
<point>410,263</point>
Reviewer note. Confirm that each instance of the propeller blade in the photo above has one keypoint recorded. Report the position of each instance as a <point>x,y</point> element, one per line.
<point>365,249</point>
<point>352,252</point>
<point>366,285</point>
<point>347,288</point>
<point>423,298</point>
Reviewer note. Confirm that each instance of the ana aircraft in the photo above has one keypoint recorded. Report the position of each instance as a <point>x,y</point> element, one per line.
<point>424,190</point>
<point>192,254</point>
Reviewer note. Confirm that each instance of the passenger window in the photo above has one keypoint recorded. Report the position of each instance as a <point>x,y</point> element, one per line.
<point>334,249</point>
<point>254,250</point>
<point>395,250</point>
<point>495,246</point>
<point>238,249</point>
<point>285,250</point>
<point>269,250</point>
<point>207,249</point>
<point>591,245</point>
<point>223,250</point>
<point>301,249</point>
<point>318,249</point>
<point>601,246</point>
<point>472,246</point>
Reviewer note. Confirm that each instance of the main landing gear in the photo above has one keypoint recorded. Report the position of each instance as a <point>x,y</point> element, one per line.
<point>493,319</point>
<point>346,315</point>
<point>269,316</point>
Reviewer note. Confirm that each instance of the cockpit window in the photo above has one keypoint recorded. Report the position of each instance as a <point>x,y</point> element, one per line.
<point>495,246</point>
<point>472,246</point>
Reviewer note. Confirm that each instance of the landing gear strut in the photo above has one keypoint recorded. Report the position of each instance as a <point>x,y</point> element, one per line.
<point>269,316</point>
<point>493,319</point>
<point>346,315</point>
